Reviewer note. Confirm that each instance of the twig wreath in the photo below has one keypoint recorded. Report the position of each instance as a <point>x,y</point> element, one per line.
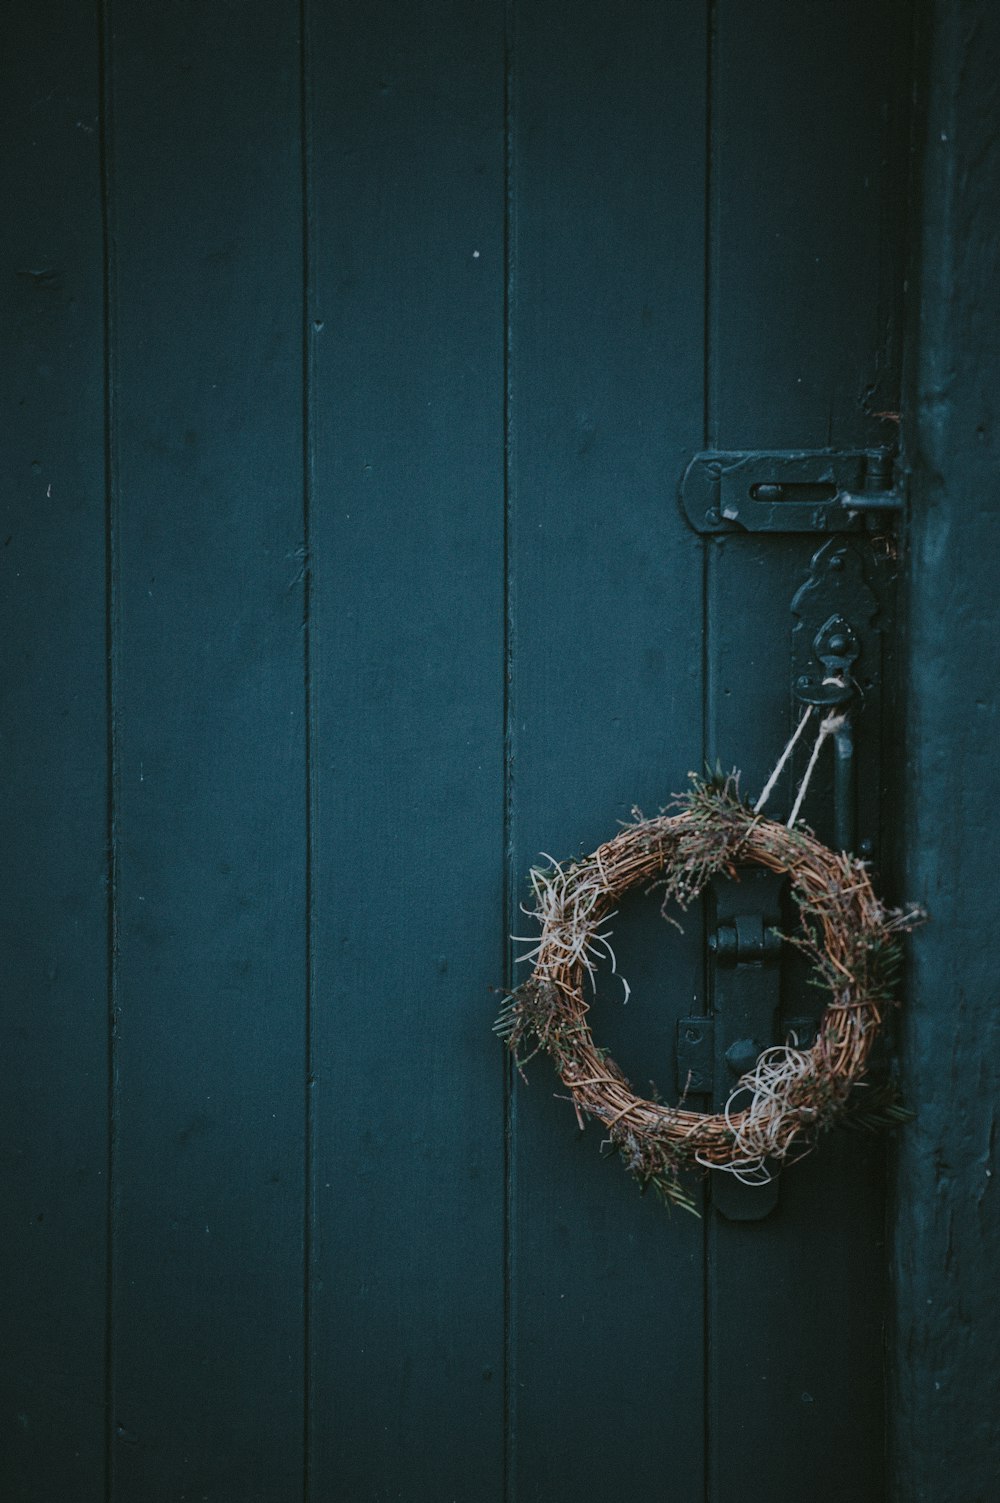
<point>794,1093</point>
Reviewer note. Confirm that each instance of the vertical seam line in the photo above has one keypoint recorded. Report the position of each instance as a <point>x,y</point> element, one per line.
<point>709,436</point>
<point>111,643</point>
<point>507,903</point>
<point>308,471</point>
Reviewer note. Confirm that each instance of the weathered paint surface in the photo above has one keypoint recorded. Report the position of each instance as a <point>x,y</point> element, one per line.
<point>946,1440</point>
<point>54,803</point>
<point>355,356</point>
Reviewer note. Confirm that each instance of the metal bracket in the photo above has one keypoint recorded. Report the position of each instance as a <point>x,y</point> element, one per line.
<point>695,1055</point>
<point>836,664</point>
<point>715,1049</point>
<point>791,490</point>
<point>836,646</point>
<point>696,1050</point>
<point>745,991</point>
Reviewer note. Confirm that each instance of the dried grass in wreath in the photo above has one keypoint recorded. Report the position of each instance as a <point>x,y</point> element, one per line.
<point>794,1094</point>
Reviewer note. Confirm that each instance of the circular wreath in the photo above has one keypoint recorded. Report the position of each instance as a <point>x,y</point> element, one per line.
<point>794,1093</point>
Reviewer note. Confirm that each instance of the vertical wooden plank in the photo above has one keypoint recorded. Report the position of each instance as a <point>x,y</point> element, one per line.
<point>944,1438</point>
<point>606,406</point>
<point>807,182</point>
<point>408,567</point>
<point>808,192</point>
<point>53,815</point>
<point>207,1357</point>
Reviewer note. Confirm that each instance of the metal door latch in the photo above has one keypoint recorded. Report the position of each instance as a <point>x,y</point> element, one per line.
<point>791,490</point>
<point>715,1049</point>
<point>836,666</point>
<point>745,994</point>
<point>837,648</point>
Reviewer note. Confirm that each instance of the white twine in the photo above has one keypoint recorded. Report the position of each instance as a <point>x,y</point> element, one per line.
<point>760,1131</point>
<point>776,774</point>
<point>564,908</point>
<point>829,726</point>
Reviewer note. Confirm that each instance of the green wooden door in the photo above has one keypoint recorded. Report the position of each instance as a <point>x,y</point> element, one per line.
<point>357,354</point>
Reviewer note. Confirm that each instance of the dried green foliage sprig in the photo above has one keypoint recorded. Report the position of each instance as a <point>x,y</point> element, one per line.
<point>851,938</point>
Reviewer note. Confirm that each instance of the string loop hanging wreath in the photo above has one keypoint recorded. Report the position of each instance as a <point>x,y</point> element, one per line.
<point>794,1093</point>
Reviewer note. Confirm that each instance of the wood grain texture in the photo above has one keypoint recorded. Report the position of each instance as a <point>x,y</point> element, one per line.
<point>207,1361</point>
<point>53,763</point>
<point>606,402</point>
<point>946,1218</point>
<point>407,148</point>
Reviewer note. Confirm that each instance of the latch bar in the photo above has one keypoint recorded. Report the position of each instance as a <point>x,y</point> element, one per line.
<point>714,1051</point>
<point>790,490</point>
<point>745,990</point>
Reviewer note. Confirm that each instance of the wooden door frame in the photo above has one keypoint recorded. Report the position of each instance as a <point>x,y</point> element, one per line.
<point>946,1327</point>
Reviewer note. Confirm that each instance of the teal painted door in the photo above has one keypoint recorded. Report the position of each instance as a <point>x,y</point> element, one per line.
<point>355,354</point>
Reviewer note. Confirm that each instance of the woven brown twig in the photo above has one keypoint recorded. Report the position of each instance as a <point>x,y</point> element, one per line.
<point>794,1094</point>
